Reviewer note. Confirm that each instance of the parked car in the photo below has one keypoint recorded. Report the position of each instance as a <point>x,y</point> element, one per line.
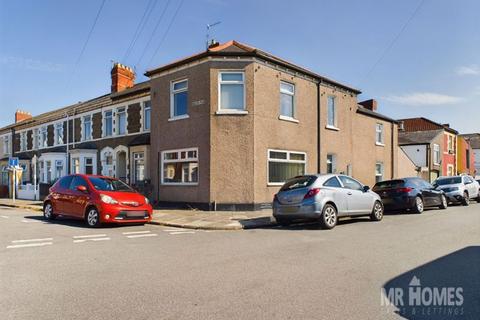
<point>459,188</point>
<point>97,200</point>
<point>413,194</point>
<point>325,198</point>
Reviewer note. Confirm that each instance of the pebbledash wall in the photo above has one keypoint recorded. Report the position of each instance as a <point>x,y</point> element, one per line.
<point>240,157</point>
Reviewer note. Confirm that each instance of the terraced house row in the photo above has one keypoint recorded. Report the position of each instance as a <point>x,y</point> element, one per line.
<point>221,129</point>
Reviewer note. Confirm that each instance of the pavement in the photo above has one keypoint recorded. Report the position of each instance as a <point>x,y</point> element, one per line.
<point>63,270</point>
<point>191,219</point>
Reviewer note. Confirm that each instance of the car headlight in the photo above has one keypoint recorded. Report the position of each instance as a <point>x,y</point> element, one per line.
<point>108,199</point>
<point>146,200</point>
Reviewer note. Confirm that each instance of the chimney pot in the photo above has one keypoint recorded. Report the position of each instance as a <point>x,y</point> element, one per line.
<point>370,104</point>
<point>21,115</point>
<point>123,77</point>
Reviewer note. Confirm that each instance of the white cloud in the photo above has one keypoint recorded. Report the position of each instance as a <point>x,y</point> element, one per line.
<point>31,64</point>
<point>423,99</point>
<point>471,70</point>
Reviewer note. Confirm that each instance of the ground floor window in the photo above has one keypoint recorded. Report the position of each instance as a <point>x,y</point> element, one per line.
<point>180,166</point>
<point>378,172</point>
<point>283,165</point>
<point>75,165</point>
<point>4,180</point>
<point>138,166</point>
<point>450,170</point>
<point>88,165</point>
<point>331,163</point>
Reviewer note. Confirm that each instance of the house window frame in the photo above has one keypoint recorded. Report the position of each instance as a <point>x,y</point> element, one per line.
<point>334,125</point>
<point>58,126</point>
<point>136,157</point>
<point>23,141</point>
<point>173,92</point>
<point>118,112</point>
<point>380,133</point>
<point>221,110</point>
<point>332,162</point>
<point>147,106</point>
<point>179,159</point>
<point>42,138</point>
<point>7,144</point>
<point>90,127</point>
<point>286,160</point>
<point>105,134</point>
<point>436,154</point>
<point>381,173</point>
<point>291,94</point>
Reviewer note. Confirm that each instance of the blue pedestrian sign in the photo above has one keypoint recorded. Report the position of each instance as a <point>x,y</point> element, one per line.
<point>13,161</point>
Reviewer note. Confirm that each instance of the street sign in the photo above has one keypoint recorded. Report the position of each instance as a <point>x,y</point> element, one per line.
<point>13,161</point>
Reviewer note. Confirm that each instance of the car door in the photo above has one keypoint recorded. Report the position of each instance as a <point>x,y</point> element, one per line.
<point>358,201</point>
<point>431,196</point>
<point>338,194</point>
<point>63,192</point>
<point>77,200</point>
<point>471,186</point>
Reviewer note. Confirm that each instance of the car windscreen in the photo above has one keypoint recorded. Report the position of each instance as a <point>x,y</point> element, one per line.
<point>298,182</point>
<point>104,184</point>
<point>390,184</point>
<point>445,181</point>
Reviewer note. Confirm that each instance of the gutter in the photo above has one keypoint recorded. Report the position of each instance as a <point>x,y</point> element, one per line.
<point>318,127</point>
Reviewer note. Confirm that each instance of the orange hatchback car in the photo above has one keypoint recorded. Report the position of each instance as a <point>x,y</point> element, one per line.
<point>97,200</point>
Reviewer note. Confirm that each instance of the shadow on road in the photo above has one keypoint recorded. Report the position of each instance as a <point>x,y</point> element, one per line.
<point>445,288</point>
<point>77,223</point>
<point>297,225</point>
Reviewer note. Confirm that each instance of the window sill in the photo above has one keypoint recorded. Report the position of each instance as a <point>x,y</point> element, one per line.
<point>380,144</point>
<point>286,118</point>
<point>275,184</point>
<point>231,112</point>
<point>332,128</point>
<point>180,184</point>
<point>185,116</point>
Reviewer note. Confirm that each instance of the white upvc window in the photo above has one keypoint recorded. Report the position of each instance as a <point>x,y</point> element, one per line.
<point>331,112</point>
<point>75,165</point>
<point>147,106</point>
<point>231,89</point>
<point>108,123</point>
<point>121,121</point>
<point>378,172</point>
<point>23,141</point>
<point>287,100</point>
<point>87,128</point>
<point>138,166</point>
<point>88,165</point>
<point>180,167</point>
<point>7,144</point>
<point>179,100</point>
<point>58,133</point>
<point>283,165</point>
<point>42,137</point>
<point>436,154</point>
<point>331,163</point>
<point>379,134</point>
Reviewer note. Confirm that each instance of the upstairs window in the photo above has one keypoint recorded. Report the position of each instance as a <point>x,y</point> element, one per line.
<point>6,145</point>
<point>450,143</point>
<point>232,91</point>
<point>121,120</point>
<point>42,137</point>
<point>436,154</point>
<point>287,99</point>
<point>146,115</point>
<point>87,127</point>
<point>58,133</point>
<point>108,123</point>
<point>179,100</point>
<point>379,134</point>
<point>331,112</point>
<point>23,141</point>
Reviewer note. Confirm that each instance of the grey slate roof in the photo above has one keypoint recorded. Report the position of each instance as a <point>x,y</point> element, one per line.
<point>418,137</point>
<point>361,109</point>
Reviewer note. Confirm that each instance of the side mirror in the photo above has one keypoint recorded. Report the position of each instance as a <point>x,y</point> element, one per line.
<point>366,188</point>
<point>82,188</point>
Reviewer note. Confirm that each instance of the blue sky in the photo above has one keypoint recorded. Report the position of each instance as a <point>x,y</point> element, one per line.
<point>431,68</point>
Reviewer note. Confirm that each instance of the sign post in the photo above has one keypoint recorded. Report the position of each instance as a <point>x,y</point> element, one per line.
<point>13,163</point>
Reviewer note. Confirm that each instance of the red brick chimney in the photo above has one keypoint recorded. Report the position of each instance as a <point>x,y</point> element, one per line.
<point>22,115</point>
<point>123,77</point>
<point>370,104</point>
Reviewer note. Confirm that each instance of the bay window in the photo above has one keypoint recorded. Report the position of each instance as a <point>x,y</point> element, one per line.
<point>180,166</point>
<point>283,165</point>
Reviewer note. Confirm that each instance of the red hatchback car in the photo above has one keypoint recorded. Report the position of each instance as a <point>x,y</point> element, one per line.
<point>97,200</point>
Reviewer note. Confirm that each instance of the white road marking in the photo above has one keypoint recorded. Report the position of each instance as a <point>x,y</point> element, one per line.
<point>142,235</point>
<point>37,244</point>
<point>90,239</point>
<point>30,221</point>
<point>5,217</point>
<point>136,232</point>
<point>89,236</point>
<point>32,240</point>
<point>173,230</point>
<point>182,232</point>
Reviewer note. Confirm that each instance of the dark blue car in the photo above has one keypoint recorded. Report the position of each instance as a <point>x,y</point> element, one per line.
<point>412,194</point>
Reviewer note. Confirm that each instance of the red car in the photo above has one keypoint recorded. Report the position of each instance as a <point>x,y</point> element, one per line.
<point>97,200</point>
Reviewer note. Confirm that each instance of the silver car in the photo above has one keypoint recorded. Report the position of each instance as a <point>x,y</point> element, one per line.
<point>325,198</point>
<point>459,188</point>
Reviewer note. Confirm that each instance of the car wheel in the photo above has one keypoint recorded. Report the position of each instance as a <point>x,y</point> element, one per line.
<point>465,199</point>
<point>92,218</point>
<point>419,206</point>
<point>444,201</point>
<point>377,212</point>
<point>328,219</point>
<point>48,211</point>
<point>283,222</point>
